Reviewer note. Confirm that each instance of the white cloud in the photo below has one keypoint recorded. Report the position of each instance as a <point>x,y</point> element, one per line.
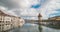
<point>49,8</point>
<point>29,12</point>
<point>54,4</point>
<point>2,8</point>
<point>45,10</point>
<point>6,11</point>
<point>24,8</point>
<point>11,13</point>
<point>31,18</point>
<point>26,3</point>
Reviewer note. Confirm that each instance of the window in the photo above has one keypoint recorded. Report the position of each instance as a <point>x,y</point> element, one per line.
<point>7,18</point>
<point>0,18</point>
<point>8,22</point>
<point>0,24</point>
<point>0,21</point>
<point>0,27</point>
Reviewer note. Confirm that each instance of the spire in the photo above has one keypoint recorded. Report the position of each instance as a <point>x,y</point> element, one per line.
<point>39,15</point>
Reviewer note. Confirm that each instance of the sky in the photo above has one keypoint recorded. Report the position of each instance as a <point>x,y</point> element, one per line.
<point>29,9</point>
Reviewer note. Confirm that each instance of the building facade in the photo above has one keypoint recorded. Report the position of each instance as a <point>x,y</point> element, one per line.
<point>8,21</point>
<point>39,18</point>
<point>54,18</point>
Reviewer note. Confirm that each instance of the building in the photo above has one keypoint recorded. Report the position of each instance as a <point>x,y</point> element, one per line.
<point>39,18</point>
<point>9,21</point>
<point>54,18</point>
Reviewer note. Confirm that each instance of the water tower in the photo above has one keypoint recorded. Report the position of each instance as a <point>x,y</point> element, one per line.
<point>39,18</point>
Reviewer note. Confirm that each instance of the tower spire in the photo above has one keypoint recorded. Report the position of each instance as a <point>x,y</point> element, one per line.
<point>39,15</point>
<point>39,18</point>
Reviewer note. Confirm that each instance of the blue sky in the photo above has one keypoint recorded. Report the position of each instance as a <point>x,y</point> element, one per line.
<point>29,9</point>
<point>36,6</point>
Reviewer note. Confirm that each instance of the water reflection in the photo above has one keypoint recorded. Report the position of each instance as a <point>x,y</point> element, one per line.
<point>47,29</point>
<point>34,28</point>
<point>27,28</point>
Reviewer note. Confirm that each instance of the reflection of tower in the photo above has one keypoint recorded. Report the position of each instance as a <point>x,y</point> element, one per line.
<point>39,18</point>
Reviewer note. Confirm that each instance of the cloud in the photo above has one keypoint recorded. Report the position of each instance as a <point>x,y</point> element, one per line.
<point>29,12</point>
<point>31,18</point>
<point>10,4</point>
<point>2,8</point>
<point>50,8</point>
<point>11,13</point>
<point>23,7</point>
<point>54,5</point>
<point>5,10</point>
<point>26,3</point>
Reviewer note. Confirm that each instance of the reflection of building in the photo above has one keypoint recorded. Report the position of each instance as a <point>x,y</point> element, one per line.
<point>9,21</point>
<point>55,18</point>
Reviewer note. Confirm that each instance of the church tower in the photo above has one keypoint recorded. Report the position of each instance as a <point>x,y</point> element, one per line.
<point>39,18</point>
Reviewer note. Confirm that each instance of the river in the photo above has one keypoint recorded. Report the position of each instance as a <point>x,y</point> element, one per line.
<point>28,27</point>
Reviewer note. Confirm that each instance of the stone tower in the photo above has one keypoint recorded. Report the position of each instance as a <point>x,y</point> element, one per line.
<point>39,18</point>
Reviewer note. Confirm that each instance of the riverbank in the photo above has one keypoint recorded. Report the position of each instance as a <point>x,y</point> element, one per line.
<point>53,26</point>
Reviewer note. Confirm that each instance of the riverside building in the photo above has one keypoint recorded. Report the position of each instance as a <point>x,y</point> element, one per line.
<point>9,21</point>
